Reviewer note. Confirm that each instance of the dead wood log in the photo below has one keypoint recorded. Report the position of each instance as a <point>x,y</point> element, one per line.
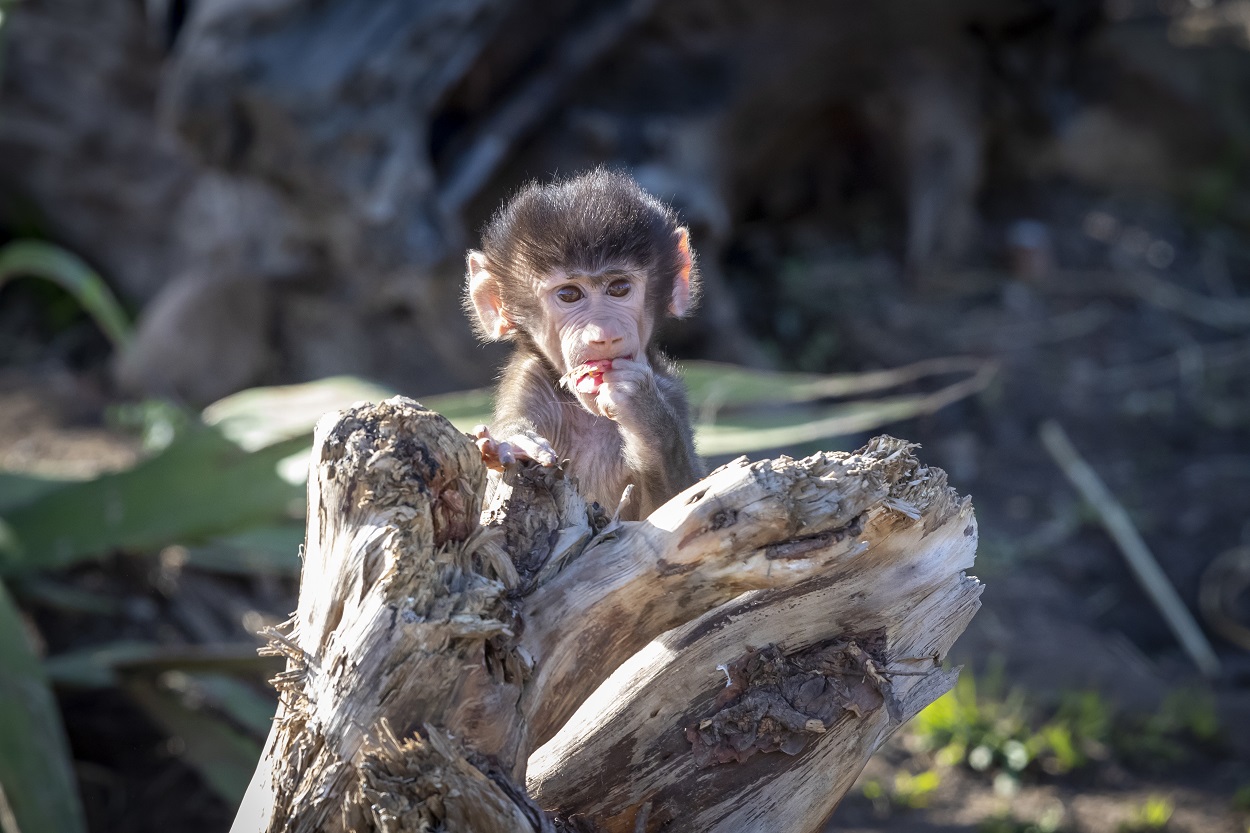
<point>760,635</point>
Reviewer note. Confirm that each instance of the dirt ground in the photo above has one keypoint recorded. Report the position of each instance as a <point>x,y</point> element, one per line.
<point>1152,387</point>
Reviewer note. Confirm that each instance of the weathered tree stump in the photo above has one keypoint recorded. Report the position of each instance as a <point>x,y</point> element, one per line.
<point>727,664</point>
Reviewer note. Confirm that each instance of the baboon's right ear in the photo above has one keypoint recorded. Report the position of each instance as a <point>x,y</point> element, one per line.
<point>483,290</point>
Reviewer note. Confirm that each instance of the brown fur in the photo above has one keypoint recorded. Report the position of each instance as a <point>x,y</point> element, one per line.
<point>581,232</point>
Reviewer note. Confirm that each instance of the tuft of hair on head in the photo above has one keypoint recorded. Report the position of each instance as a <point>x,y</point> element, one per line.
<point>584,224</point>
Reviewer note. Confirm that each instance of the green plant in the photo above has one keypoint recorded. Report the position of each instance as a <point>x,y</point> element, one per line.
<point>1078,732</point>
<point>1002,734</point>
<point>1154,814</point>
<point>994,733</point>
<point>37,790</point>
<point>739,410</point>
<point>907,790</point>
<point>1191,712</point>
<point>35,258</point>
<point>1187,716</point>
<point>5,5</point>
<point>1049,822</point>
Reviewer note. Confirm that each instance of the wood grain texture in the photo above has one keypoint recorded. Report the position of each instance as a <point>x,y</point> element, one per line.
<point>901,585</point>
<point>400,595</point>
<point>728,663</point>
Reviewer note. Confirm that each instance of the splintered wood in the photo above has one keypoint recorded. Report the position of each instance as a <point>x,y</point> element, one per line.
<point>727,664</point>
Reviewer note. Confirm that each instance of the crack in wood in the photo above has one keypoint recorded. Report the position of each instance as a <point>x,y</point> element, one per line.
<point>801,547</point>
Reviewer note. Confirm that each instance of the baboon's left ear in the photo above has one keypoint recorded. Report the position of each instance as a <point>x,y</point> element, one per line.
<point>679,304</point>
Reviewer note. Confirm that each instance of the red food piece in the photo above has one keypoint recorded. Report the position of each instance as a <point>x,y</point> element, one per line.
<point>591,376</point>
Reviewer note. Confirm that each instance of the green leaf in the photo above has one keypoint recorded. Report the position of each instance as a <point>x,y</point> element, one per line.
<point>466,409</point>
<point>782,426</point>
<point>95,667</point>
<point>64,598</point>
<point>259,417</point>
<point>272,550</point>
<point>738,410</point>
<point>44,260</point>
<point>727,385</point>
<point>242,703</point>
<point>37,787</point>
<point>222,756</point>
<point>106,665</point>
<point>202,485</point>
<point>17,489</point>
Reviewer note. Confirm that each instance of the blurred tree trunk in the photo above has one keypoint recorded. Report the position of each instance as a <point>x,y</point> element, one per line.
<point>760,636</point>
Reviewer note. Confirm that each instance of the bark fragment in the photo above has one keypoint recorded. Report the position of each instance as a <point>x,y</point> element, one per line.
<point>776,703</point>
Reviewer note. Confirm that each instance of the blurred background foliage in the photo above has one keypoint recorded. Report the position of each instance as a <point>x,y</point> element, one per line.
<point>949,220</point>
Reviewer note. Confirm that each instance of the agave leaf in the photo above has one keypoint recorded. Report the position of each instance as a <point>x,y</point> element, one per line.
<point>740,410</point>
<point>786,427</point>
<point>37,789</point>
<point>17,489</point>
<point>222,755</point>
<point>44,260</point>
<point>66,599</point>
<point>270,550</point>
<point>465,409</point>
<point>259,417</point>
<point>242,703</point>
<point>721,385</point>
<point>200,486</point>
<point>107,665</point>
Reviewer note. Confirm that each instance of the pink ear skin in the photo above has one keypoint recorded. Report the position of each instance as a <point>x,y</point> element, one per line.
<point>679,304</point>
<point>484,293</point>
